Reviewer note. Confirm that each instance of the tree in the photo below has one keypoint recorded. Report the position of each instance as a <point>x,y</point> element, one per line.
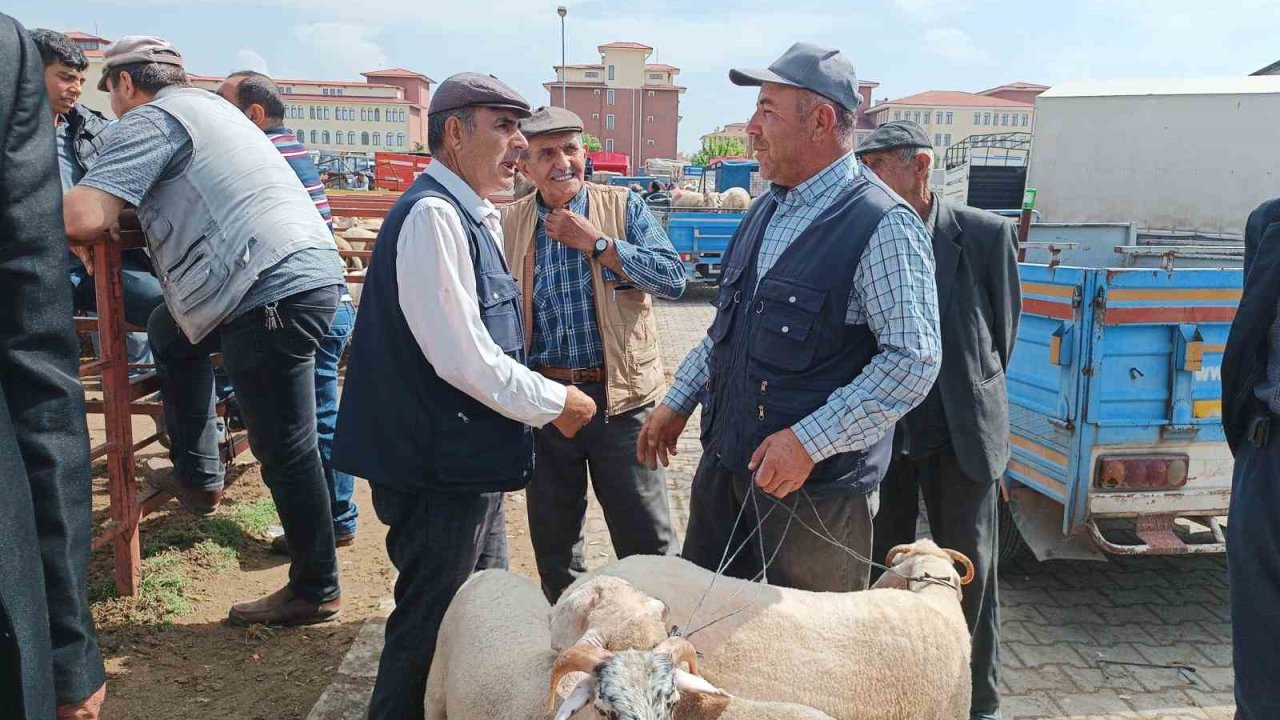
<point>714,147</point>
<point>419,147</point>
<point>591,142</point>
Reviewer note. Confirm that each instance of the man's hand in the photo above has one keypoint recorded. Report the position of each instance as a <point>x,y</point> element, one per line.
<point>571,229</point>
<point>87,709</point>
<point>658,436</point>
<point>85,253</point>
<point>781,464</point>
<point>578,411</point>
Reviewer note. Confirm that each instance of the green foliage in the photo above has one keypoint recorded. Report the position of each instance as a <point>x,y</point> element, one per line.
<point>591,142</point>
<point>718,147</point>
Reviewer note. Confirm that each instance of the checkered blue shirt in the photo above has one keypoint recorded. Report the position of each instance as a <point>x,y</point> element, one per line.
<point>894,293</point>
<point>565,333</point>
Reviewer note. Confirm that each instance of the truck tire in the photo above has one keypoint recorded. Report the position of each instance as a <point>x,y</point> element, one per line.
<point>1010,543</point>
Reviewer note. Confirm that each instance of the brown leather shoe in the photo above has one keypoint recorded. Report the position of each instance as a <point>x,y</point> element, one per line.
<point>280,543</point>
<point>282,607</point>
<point>196,502</point>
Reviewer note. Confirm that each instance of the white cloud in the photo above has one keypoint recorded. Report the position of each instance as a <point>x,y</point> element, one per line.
<point>955,45</point>
<point>929,9</point>
<point>336,50</point>
<point>249,60</point>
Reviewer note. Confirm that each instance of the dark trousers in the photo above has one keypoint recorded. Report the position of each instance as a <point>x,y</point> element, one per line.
<point>962,516</point>
<point>435,541</point>
<point>142,293</point>
<point>633,497</point>
<point>274,374</point>
<point>1253,564</point>
<point>803,560</point>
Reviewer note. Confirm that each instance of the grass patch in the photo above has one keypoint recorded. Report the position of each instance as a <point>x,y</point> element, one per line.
<point>162,595</point>
<point>253,518</point>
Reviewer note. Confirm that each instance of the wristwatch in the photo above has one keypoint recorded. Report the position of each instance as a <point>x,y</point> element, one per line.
<point>601,245</point>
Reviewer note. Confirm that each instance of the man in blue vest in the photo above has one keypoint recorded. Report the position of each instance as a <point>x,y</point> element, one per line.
<point>825,335</point>
<point>437,407</point>
<point>1251,420</point>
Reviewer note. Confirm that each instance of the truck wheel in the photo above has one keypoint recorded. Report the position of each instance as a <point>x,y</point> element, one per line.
<point>1010,543</point>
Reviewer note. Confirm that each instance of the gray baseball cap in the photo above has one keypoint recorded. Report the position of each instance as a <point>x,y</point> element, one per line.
<point>137,49</point>
<point>893,135</point>
<point>470,89</point>
<point>549,121</point>
<point>825,71</point>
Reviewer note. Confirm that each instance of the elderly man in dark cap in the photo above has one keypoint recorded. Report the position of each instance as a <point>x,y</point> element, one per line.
<point>438,404</point>
<point>249,269</point>
<point>588,258</point>
<point>825,335</point>
<point>955,446</point>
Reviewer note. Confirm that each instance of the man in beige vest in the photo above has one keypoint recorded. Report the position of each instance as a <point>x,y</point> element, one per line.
<point>587,258</point>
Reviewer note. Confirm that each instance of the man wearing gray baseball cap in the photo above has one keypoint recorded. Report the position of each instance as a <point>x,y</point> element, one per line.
<point>825,334</point>
<point>954,447</point>
<point>438,405</point>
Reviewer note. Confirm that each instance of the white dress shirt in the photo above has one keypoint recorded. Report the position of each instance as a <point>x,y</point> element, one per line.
<point>438,298</point>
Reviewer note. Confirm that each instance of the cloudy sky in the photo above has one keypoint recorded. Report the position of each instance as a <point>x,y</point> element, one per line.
<point>906,45</point>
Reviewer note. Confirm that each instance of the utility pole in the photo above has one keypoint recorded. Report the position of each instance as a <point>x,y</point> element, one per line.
<point>564,71</point>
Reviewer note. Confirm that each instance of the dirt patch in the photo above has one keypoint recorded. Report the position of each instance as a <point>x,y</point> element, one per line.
<point>172,654</point>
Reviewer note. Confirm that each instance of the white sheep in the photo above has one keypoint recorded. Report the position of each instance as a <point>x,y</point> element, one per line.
<point>884,654</point>
<point>735,198</point>
<point>690,199</point>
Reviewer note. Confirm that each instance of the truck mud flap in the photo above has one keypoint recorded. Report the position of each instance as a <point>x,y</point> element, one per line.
<point>1158,538</point>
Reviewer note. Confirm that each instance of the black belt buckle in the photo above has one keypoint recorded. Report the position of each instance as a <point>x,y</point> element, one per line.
<point>1260,429</point>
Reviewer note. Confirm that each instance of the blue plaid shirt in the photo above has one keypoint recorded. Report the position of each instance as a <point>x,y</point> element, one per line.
<point>894,293</point>
<point>565,333</point>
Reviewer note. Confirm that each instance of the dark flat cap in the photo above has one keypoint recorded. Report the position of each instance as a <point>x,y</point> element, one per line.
<point>137,49</point>
<point>549,121</point>
<point>475,89</point>
<point>893,135</point>
<point>825,71</point>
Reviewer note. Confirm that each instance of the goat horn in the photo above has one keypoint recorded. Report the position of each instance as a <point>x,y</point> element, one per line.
<point>895,552</point>
<point>577,658</point>
<point>681,651</point>
<point>961,558</point>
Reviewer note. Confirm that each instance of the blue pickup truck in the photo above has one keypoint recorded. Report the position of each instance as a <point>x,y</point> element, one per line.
<point>700,236</point>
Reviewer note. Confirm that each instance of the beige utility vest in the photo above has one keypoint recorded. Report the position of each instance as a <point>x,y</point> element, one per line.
<point>628,332</point>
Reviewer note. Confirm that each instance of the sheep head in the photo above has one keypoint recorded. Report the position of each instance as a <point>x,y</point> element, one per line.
<point>630,685</point>
<point>924,558</point>
<point>623,617</point>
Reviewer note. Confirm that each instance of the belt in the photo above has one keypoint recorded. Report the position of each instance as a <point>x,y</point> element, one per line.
<point>573,376</point>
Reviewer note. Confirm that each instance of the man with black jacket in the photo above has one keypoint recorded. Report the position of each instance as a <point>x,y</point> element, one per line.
<point>50,664</point>
<point>1251,418</point>
<point>953,448</point>
<point>79,132</point>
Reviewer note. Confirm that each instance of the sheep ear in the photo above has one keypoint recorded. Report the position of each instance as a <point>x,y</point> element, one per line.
<point>577,699</point>
<point>695,684</point>
<point>569,616</point>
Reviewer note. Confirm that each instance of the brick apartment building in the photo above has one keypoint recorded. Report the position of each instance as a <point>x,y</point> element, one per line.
<point>632,105</point>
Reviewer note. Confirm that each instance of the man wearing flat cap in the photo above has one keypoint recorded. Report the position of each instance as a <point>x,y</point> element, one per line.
<point>438,403</point>
<point>955,445</point>
<point>249,269</point>
<point>588,259</point>
<point>825,334</point>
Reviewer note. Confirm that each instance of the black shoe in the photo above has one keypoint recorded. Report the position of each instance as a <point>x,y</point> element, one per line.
<point>280,543</point>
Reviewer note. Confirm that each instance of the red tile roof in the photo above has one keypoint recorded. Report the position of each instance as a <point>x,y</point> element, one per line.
<point>662,67</point>
<point>396,72</point>
<point>1019,85</point>
<point>625,46</point>
<point>77,35</point>
<point>953,98</point>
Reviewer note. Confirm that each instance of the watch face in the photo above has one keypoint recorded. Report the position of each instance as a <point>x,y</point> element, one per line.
<point>602,245</point>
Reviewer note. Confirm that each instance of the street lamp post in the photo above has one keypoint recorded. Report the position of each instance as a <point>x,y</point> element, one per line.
<point>564,71</point>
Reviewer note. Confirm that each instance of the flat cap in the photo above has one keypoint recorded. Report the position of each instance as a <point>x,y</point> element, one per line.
<point>817,69</point>
<point>137,49</point>
<point>549,121</point>
<point>470,89</point>
<point>893,135</point>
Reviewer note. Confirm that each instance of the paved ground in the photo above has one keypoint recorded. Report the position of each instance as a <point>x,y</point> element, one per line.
<point>1081,641</point>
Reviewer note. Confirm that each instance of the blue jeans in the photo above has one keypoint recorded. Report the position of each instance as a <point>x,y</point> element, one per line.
<point>273,369</point>
<point>142,295</point>
<point>341,485</point>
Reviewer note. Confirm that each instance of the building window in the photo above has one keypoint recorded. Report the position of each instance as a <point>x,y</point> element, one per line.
<point>897,114</point>
<point>595,116</point>
<point>608,122</point>
<point>650,142</point>
<point>652,94</point>
<point>311,111</point>
<point>928,118</point>
<point>591,74</point>
<point>364,114</point>
<point>1025,120</point>
<point>326,113</point>
<point>649,119</point>
<point>946,140</point>
<point>287,90</point>
<point>351,138</point>
<point>377,116</point>
<point>324,137</point>
<point>364,138</point>
<point>610,72</point>
<point>400,139</point>
<point>377,138</point>
<point>337,138</point>
<point>314,137</point>
<point>301,135</point>
<point>608,144</point>
<point>610,97</point>
<point>950,118</point>
<point>937,139</point>
<point>655,76</point>
<point>1004,119</point>
<point>977,118</point>
<point>597,92</point>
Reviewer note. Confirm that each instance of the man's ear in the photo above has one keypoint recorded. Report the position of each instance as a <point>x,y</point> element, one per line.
<point>257,114</point>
